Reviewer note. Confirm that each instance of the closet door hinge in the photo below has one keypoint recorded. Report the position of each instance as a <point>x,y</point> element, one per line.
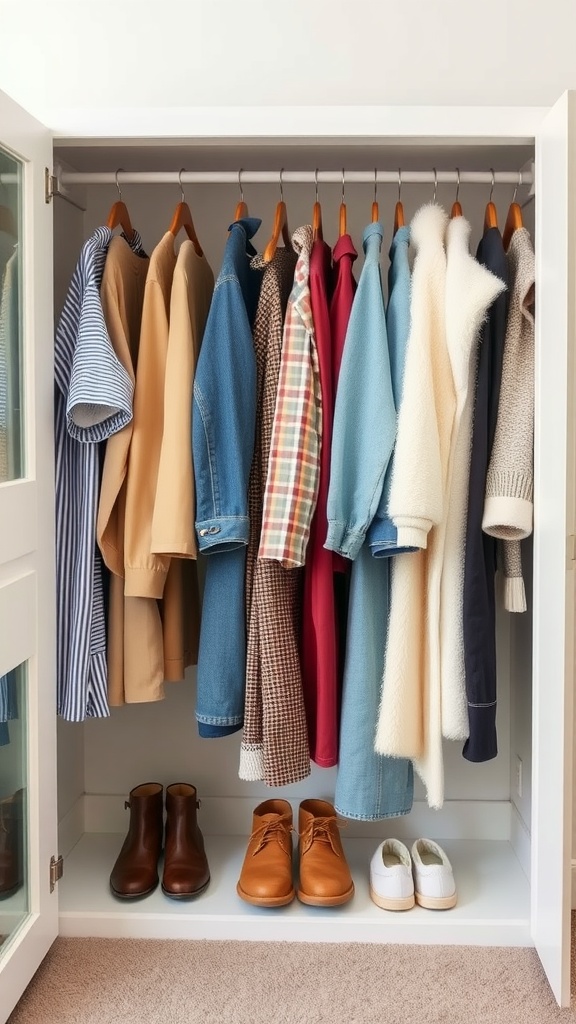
<point>571,548</point>
<point>50,185</point>
<point>56,871</point>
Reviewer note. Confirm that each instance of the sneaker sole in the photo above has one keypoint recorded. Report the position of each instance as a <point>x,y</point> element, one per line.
<point>325,901</point>
<point>390,903</point>
<point>265,901</point>
<point>436,902</point>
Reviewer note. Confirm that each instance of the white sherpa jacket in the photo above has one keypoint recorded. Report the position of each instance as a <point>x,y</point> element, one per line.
<point>470,291</point>
<point>409,721</point>
<point>508,508</point>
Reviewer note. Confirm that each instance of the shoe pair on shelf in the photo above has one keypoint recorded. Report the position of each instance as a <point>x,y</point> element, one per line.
<point>398,880</point>
<point>186,873</point>
<point>324,876</point>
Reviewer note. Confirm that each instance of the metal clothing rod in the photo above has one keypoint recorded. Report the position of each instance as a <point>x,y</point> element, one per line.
<point>429,177</point>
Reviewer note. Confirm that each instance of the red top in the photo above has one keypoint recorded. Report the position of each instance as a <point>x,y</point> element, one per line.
<point>319,653</point>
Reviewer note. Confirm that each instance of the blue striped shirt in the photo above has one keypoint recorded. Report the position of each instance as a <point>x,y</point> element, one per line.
<point>8,705</point>
<point>93,400</point>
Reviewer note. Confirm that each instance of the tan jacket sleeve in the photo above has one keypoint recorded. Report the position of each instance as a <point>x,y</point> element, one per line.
<point>145,573</point>
<point>173,516</point>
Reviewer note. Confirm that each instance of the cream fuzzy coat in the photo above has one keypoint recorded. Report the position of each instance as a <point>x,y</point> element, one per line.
<point>409,721</point>
<point>449,299</point>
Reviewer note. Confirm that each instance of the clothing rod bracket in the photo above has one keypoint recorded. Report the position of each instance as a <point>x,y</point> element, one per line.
<point>52,189</point>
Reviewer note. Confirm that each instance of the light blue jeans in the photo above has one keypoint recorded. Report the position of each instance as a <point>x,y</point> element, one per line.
<point>368,785</point>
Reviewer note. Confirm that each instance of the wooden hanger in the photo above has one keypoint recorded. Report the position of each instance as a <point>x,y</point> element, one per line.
<point>456,208</point>
<point>119,216</point>
<point>342,219</point>
<point>241,208</point>
<point>514,219</point>
<point>8,220</point>
<point>399,209</point>
<point>317,215</point>
<point>183,219</point>
<point>280,226</point>
<point>375,208</point>
<point>491,215</point>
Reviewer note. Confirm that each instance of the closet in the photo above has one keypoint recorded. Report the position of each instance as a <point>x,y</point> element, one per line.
<point>506,824</point>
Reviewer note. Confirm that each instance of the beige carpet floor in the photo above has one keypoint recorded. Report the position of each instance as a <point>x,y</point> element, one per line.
<point>103,981</point>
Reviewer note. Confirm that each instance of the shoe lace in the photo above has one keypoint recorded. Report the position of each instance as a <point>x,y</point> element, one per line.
<point>276,828</point>
<point>321,830</point>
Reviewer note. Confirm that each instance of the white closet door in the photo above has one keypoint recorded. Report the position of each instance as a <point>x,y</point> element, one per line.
<point>554,540</point>
<point>28,820</point>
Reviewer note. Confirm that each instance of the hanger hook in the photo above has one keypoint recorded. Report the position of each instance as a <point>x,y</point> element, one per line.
<point>492,184</point>
<point>435,183</point>
<point>316,182</point>
<point>281,185</point>
<point>180,173</point>
<point>117,182</point>
<point>240,184</point>
<point>517,186</point>
<point>457,183</point>
<point>343,185</point>
<point>399,185</point>
<point>375,184</point>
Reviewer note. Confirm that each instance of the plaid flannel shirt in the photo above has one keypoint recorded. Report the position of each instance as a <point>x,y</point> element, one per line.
<point>294,463</point>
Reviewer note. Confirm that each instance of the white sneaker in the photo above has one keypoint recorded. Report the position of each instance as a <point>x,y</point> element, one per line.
<point>434,883</point>
<point>391,882</point>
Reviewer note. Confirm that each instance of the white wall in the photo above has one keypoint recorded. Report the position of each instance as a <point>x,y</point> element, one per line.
<point>138,53</point>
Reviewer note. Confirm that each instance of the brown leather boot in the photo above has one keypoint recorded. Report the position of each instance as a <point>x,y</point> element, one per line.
<point>11,844</point>
<point>135,872</point>
<point>266,876</point>
<point>325,879</point>
<point>186,871</point>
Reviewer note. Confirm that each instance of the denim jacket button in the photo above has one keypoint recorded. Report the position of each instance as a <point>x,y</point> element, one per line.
<point>203,532</point>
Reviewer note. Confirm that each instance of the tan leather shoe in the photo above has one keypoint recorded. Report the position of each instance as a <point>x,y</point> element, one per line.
<point>325,879</point>
<point>186,873</point>
<point>266,876</point>
<point>135,872</point>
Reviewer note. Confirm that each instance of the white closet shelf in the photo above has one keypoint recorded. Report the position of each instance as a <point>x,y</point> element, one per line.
<point>493,901</point>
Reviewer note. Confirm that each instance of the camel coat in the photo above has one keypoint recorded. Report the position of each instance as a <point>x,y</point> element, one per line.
<point>150,642</point>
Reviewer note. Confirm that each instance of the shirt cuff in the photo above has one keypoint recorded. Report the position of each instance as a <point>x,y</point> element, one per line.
<point>144,582</point>
<point>343,540</point>
<point>507,518</point>
<point>223,534</point>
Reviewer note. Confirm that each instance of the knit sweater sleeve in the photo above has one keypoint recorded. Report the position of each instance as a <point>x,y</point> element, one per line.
<point>508,506</point>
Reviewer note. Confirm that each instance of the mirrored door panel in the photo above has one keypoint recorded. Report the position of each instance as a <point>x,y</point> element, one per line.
<point>11,329</point>
<point>14,890</point>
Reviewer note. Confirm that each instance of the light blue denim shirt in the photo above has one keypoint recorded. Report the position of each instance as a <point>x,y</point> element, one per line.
<point>382,534</point>
<point>224,409</point>
<point>365,415</point>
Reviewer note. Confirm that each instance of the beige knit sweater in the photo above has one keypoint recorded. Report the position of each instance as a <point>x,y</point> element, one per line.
<point>509,503</point>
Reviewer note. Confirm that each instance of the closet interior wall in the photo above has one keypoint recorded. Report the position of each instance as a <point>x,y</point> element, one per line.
<point>159,741</point>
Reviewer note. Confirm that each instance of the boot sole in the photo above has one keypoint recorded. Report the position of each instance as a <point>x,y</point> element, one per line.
<point>391,903</point>
<point>265,901</point>
<point>436,902</point>
<point>186,895</point>
<point>132,896</point>
<point>326,901</point>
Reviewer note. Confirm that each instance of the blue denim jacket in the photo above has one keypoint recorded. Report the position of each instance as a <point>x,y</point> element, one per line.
<point>223,425</point>
<point>382,534</point>
<point>365,415</point>
<point>224,411</point>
